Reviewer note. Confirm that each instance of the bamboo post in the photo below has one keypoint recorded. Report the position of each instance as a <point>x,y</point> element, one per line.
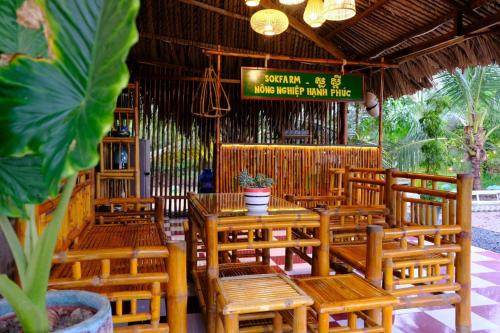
<point>159,211</point>
<point>288,259</point>
<point>390,199</point>
<point>231,323</point>
<point>381,117</point>
<point>347,190</point>
<point>373,273</point>
<point>217,124</point>
<point>323,251</point>
<point>212,270</point>
<point>463,258</point>
<point>177,287</point>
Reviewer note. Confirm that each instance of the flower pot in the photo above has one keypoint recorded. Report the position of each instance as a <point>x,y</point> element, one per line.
<point>257,199</point>
<point>100,322</point>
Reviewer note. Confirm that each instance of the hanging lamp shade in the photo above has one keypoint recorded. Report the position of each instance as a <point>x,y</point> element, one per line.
<point>252,3</point>
<point>313,15</point>
<point>291,2</point>
<point>269,22</point>
<point>339,10</point>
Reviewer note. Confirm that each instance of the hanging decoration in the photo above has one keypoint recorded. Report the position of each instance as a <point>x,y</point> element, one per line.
<point>339,10</point>
<point>252,3</point>
<point>313,15</point>
<point>371,104</point>
<point>269,22</point>
<point>210,100</point>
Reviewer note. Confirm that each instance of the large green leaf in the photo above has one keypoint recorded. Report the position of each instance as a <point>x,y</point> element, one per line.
<point>21,181</point>
<point>62,107</point>
<point>18,39</point>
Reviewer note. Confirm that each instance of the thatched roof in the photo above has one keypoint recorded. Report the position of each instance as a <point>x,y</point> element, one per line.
<point>423,37</point>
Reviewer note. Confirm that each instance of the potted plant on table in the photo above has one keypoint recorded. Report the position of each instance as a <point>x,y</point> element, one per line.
<point>257,191</point>
<point>62,68</point>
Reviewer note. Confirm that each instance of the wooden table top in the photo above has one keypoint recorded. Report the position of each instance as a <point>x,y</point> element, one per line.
<point>344,293</point>
<point>259,293</point>
<point>233,204</point>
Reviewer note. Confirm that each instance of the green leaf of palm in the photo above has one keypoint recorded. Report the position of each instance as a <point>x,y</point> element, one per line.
<point>18,39</point>
<point>62,107</point>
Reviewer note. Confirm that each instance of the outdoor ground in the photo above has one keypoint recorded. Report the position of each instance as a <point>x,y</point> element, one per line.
<point>485,286</point>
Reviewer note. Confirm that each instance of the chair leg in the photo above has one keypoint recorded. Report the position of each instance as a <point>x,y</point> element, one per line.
<point>387,319</point>
<point>231,323</point>
<point>323,323</point>
<point>277,323</point>
<point>288,259</point>
<point>300,319</point>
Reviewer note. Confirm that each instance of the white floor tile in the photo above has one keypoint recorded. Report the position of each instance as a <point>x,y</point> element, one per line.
<point>410,310</point>
<point>477,268</point>
<point>479,257</point>
<point>478,299</point>
<point>477,282</point>
<point>447,317</point>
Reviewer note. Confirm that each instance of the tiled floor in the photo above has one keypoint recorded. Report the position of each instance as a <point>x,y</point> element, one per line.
<point>485,297</point>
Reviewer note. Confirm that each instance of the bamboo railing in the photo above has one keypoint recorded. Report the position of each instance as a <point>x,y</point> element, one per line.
<point>79,214</point>
<point>299,170</point>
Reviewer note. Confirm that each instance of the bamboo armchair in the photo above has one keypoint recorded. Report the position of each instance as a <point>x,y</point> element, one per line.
<point>424,261</point>
<point>126,276</point>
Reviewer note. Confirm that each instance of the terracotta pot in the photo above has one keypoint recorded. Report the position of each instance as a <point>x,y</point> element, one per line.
<point>257,199</point>
<point>100,322</point>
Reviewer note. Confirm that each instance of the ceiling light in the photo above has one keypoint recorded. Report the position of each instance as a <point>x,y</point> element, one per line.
<point>252,3</point>
<point>269,22</point>
<point>313,15</point>
<point>339,10</point>
<point>291,2</point>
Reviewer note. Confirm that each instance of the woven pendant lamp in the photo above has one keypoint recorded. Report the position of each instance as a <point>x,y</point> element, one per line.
<point>313,15</point>
<point>269,22</point>
<point>339,10</point>
<point>291,2</point>
<point>252,3</point>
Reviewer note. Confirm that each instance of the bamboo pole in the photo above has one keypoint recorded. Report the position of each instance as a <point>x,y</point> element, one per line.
<point>390,200</point>
<point>373,273</point>
<point>463,258</point>
<point>212,270</point>
<point>299,59</point>
<point>177,287</point>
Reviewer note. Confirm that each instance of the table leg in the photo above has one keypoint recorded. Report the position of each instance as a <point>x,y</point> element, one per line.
<point>387,319</point>
<point>323,251</point>
<point>323,323</point>
<point>266,253</point>
<point>277,323</point>
<point>231,323</point>
<point>212,271</point>
<point>300,319</point>
<point>288,259</point>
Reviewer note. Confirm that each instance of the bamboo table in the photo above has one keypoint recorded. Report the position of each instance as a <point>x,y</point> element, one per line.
<point>213,215</point>
<point>350,294</point>
<point>257,294</point>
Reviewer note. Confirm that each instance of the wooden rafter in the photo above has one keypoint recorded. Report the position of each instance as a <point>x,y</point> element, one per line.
<point>422,30</point>
<point>308,32</point>
<point>447,40</point>
<point>356,18</point>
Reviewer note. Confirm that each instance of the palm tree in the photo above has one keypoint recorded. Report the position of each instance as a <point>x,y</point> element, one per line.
<point>474,94</point>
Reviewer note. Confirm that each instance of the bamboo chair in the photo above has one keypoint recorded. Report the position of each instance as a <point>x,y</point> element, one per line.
<point>363,197</point>
<point>424,261</point>
<point>129,275</point>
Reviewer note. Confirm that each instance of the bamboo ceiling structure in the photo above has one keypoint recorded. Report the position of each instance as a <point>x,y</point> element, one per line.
<point>422,37</point>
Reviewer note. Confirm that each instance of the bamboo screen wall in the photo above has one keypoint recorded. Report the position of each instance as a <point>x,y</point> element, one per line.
<point>183,145</point>
<point>299,170</point>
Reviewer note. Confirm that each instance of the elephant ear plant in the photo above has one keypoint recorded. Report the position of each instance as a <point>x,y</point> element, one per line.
<point>62,67</point>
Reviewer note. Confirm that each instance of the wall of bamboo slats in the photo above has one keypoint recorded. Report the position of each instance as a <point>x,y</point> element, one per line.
<point>299,170</point>
<point>183,145</point>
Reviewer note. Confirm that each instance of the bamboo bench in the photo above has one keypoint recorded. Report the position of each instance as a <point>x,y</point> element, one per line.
<point>125,256</point>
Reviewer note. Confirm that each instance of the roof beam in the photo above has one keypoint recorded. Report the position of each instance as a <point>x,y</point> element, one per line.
<point>214,9</point>
<point>422,30</point>
<point>356,19</point>
<point>308,32</point>
<point>447,40</point>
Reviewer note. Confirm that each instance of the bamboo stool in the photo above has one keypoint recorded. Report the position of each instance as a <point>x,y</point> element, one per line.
<point>259,295</point>
<point>350,294</point>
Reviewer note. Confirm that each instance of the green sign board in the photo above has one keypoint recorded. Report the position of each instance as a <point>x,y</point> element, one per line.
<point>268,83</point>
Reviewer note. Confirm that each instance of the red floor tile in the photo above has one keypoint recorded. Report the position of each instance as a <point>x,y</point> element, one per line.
<point>491,254</point>
<point>492,293</point>
<point>490,264</point>
<point>493,277</point>
<point>490,312</point>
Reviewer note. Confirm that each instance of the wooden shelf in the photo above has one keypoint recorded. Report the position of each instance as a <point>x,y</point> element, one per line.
<point>113,183</point>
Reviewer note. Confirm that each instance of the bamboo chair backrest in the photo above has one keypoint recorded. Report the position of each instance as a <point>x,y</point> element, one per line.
<point>418,199</point>
<point>420,268</point>
<point>118,267</point>
<point>336,185</point>
<point>364,186</point>
<point>129,210</point>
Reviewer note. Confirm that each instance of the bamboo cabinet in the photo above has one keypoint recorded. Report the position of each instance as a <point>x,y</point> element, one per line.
<point>119,166</point>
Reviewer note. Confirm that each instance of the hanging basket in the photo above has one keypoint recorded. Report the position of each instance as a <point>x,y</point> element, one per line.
<point>210,100</point>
